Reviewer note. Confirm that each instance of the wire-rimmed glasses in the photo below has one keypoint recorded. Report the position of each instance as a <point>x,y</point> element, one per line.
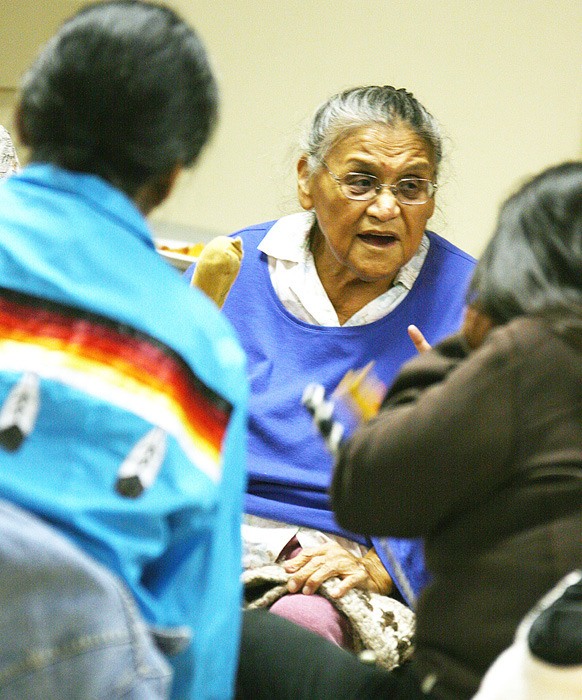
<point>363,187</point>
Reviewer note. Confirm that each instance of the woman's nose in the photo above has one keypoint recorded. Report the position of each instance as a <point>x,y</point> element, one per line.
<point>384,206</point>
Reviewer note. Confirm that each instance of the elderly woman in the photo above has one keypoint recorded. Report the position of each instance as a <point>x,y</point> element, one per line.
<point>481,439</point>
<point>323,292</point>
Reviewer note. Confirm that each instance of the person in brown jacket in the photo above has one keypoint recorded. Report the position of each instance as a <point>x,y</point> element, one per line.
<point>478,450</point>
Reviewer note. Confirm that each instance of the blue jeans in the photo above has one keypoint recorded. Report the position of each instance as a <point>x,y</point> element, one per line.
<point>70,630</point>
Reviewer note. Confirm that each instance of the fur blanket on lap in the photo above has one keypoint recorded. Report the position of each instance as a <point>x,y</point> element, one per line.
<point>382,627</point>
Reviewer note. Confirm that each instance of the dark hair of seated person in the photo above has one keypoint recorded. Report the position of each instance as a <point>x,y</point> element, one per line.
<point>70,113</point>
<point>533,264</point>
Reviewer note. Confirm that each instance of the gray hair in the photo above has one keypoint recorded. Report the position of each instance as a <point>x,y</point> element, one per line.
<point>363,106</point>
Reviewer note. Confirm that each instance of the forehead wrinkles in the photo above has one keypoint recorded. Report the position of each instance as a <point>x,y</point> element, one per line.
<point>389,149</point>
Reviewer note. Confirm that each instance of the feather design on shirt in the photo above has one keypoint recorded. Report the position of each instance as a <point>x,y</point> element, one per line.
<point>141,467</point>
<point>116,364</point>
<point>19,411</point>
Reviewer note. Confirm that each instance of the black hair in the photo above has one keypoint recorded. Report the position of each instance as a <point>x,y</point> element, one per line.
<point>533,263</point>
<point>124,90</point>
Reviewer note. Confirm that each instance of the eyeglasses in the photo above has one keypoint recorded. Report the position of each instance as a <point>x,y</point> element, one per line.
<point>363,187</point>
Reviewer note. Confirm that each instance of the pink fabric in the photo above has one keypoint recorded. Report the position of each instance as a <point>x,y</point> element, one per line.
<point>313,612</point>
<point>317,614</point>
<point>290,550</point>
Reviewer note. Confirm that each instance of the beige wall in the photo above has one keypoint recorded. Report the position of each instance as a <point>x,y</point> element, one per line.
<point>502,76</point>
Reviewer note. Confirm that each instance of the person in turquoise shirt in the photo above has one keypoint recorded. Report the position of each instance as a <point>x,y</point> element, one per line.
<point>123,392</point>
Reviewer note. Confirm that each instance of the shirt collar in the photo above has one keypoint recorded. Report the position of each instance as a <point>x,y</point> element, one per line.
<point>287,240</point>
<point>112,202</point>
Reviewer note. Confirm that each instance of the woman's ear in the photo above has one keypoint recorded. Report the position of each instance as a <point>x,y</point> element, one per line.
<point>304,184</point>
<point>154,192</point>
<point>167,183</point>
<point>476,326</point>
<point>431,208</point>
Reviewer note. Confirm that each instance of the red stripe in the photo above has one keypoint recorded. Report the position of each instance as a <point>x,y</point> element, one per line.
<point>132,355</point>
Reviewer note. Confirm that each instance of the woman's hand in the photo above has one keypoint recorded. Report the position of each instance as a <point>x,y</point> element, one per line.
<point>314,565</point>
<point>420,342</point>
<point>217,267</point>
<point>475,328</point>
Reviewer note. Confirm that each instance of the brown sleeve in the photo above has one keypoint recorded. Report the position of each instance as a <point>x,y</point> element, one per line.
<point>426,369</point>
<point>442,438</point>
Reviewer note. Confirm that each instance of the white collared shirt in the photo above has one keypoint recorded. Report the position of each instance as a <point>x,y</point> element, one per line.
<point>297,284</point>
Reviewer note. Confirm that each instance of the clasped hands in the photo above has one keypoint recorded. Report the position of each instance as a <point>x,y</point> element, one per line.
<point>314,565</point>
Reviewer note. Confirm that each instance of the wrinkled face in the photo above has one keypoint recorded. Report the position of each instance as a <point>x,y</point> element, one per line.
<point>369,240</point>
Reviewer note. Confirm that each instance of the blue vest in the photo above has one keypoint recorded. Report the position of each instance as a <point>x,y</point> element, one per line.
<point>289,467</point>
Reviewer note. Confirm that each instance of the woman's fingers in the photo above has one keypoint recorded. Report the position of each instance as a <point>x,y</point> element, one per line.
<point>314,566</point>
<point>420,342</point>
<point>344,585</point>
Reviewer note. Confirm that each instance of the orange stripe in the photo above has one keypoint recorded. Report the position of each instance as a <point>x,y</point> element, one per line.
<point>128,352</point>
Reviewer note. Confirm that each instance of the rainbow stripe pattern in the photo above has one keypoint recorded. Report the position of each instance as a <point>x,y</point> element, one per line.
<point>118,364</point>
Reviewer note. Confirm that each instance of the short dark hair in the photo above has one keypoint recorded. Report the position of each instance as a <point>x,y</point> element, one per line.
<point>124,90</point>
<point>533,263</point>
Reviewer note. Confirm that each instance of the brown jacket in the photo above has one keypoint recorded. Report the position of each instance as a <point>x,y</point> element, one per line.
<point>481,454</point>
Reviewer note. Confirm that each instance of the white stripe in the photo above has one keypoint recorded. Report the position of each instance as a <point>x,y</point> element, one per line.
<point>156,409</point>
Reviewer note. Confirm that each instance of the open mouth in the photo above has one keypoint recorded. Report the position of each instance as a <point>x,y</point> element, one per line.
<point>377,239</point>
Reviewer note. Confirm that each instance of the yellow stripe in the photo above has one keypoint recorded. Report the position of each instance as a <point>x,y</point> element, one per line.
<point>110,385</point>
